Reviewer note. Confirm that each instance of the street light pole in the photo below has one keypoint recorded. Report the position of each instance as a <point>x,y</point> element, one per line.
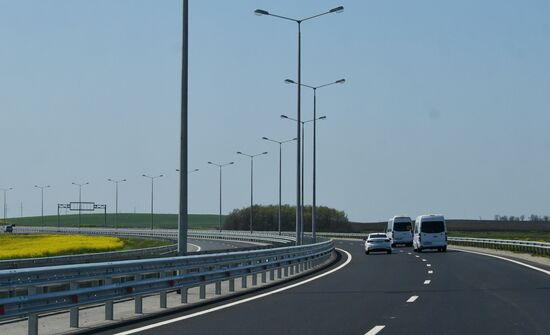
<point>183,210</point>
<point>259,12</point>
<point>42,199</point>
<point>116,182</point>
<point>80,201</point>
<point>5,190</point>
<point>152,193</point>
<point>314,205</point>
<point>303,141</point>
<point>220,166</point>
<point>251,183</point>
<point>280,173</point>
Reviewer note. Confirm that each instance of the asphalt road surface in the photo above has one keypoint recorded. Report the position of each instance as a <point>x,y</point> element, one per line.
<point>384,294</point>
<point>209,245</point>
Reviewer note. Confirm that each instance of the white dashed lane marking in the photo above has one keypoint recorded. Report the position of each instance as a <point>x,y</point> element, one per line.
<point>430,272</point>
<point>428,265</point>
<point>375,330</point>
<point>427,281</point>
<point>413,298</point>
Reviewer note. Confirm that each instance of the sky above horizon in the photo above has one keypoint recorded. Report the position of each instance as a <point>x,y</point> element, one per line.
<point>444,109</point>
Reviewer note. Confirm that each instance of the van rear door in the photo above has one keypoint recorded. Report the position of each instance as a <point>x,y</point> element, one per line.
<point>432,233</point>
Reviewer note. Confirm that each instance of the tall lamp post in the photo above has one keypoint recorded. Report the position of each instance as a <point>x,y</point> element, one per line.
<point>42,199</point>
<point>314,208</point>
<point>280,173</point>
<point>251,182</point>
<point>5,190</point>
<point>116,182</point>
<point>260,12</point>
<point>303,141</point>
<point>80,201</point>
<point>220,166</point>
<point>152,193</point>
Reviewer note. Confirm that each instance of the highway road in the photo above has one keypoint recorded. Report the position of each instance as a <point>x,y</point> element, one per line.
<point>209,245</point>
<point>402,293</point>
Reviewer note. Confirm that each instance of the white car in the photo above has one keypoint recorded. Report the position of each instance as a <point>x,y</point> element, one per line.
<point>377,242</point>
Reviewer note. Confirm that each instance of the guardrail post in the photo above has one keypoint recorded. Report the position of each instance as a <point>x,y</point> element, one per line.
<point>73,318</point>
<point>232,285</point>
<point>254,279</point>
<point>285,269</point>
<point>138,301</point>
<point>272,274</point>
<point>291,266</point>
<point>163,303</point>
<point>33,318</point>
<point>264,277</point>
<point>202,291</point>
<point>183,293</point>
<point>244,282</point>
<point>279,272</point>
<point>109,312</point>
<point>218,289</point>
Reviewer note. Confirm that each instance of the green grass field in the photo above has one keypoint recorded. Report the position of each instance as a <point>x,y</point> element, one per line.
<point>167,221</point>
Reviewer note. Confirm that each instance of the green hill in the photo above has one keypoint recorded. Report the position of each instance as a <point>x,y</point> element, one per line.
<point>165,221</point>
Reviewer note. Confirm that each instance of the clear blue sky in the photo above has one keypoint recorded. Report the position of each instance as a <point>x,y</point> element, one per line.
<point>445,109</point>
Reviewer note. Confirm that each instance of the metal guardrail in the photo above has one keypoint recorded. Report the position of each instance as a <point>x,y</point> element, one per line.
<point>170,234</point>
<point>34,291</point>
<point>537,248</point>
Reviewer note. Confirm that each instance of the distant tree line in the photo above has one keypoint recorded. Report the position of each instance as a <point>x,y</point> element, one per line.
<point>266,218</point>
<point>532,218</point>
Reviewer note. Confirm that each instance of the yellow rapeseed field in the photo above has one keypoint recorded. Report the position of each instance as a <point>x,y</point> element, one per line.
<point>43,245</point>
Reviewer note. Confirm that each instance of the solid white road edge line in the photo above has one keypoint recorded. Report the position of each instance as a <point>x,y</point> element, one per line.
<point>238,302</point>
<point>426,282</point>
<point>196,246</point>
<point>506,259</point>
<point>413,298</point>
<point>375,330</point>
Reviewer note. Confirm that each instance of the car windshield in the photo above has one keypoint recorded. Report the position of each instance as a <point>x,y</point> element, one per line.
<point>402,226</point>
<point>432,227</point>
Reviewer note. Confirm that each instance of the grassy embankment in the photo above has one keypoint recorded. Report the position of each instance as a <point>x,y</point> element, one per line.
<point>161,221</point>
<point>515,235</point>
<point>45,245</point>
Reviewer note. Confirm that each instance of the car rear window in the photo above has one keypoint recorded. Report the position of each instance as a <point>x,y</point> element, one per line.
<point>377,236</point>
<point>433,227</point>
<point>402,226</point>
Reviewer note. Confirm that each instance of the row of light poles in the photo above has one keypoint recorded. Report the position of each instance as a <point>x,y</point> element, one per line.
<point>299,144</point>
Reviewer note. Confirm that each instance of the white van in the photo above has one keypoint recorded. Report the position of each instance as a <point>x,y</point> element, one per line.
<point>430,232</point>
<point>399,230</point>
